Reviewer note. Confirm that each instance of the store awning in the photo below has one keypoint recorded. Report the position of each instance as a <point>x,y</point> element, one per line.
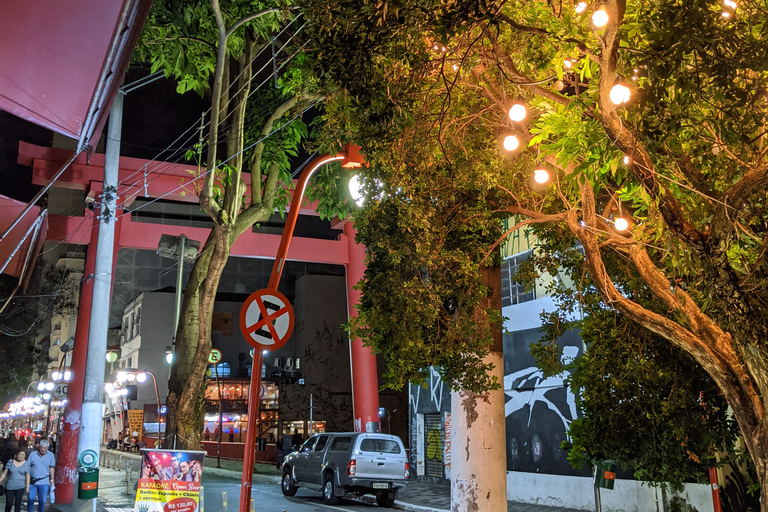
<point>63,61</point>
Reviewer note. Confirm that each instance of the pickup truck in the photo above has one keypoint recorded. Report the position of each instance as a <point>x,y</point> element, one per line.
<point>354,463</point>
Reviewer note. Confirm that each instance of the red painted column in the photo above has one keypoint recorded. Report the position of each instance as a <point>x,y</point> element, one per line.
<point>365,375</point>
<point>66,458</point>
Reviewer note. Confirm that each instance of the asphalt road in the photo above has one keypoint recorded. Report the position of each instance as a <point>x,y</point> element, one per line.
<point>269,498</point>
<point>266,497</point>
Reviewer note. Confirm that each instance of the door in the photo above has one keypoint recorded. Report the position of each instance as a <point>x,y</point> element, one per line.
<point>301,466</point>
<point>433,449</point>
<point>315,460</point>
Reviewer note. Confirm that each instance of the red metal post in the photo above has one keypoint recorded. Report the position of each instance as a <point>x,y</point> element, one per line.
<point>66,459</point>
<point>349,155</point>
<point>365,376</point>
<point>713,482</point>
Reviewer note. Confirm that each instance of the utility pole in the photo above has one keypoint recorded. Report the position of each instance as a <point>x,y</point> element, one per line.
<point>93,389</point>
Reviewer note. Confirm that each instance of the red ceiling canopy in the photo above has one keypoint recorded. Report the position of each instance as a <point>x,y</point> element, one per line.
<point>63,60</point>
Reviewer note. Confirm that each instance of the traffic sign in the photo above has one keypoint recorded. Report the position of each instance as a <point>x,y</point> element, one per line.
<point>60,391</point>
<point>266,319</point>
<point>215,356</point>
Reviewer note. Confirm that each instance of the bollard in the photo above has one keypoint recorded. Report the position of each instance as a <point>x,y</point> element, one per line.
<point>253,509</point>
<point>201,505</point>
<point>119,462</point>
<point>224,500</point>
<point>127,472</point>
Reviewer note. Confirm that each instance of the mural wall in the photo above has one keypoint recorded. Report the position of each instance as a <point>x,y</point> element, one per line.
<point>538,409</point>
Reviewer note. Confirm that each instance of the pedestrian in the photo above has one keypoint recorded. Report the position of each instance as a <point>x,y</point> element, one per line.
<point>207,434</point>
<point>231,435</point>
<point>17,482</point>
<point>297,438</point>
<point>41,463</point>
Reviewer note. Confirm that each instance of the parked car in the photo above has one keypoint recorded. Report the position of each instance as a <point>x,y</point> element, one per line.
<point>355,463</point>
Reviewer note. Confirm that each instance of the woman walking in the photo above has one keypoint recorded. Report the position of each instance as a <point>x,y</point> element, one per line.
<point>16,478</point>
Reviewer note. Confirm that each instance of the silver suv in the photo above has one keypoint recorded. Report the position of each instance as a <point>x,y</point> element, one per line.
<point>354,463</point>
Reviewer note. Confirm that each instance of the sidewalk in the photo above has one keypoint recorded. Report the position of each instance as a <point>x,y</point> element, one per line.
<point>113,495</point>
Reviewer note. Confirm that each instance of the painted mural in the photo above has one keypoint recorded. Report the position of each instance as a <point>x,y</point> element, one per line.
<point>538,409</point>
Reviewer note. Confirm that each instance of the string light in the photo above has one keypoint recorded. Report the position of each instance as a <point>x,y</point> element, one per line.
<point>518,112</point>
<point>568,63</point>
<point>580,7</point>
<point>619,94</point>
<point>600,18</point>
<point>621,224</point>
<point>540,176</point>
<point>511,142</point>
<point>627,160</point>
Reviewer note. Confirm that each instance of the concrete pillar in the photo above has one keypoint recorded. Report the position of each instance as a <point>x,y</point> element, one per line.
<point>478,447</point>
<point>365,375</point>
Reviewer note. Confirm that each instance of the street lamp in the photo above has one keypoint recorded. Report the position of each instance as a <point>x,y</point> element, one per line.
<point>350,158</point>
<point>140,376</point>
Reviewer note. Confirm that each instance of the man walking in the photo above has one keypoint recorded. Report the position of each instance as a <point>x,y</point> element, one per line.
<point>42,463</point>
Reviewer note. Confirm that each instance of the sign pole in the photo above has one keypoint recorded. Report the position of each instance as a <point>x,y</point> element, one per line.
<point>218,440</point>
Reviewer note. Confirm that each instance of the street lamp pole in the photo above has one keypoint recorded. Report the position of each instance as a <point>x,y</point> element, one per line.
<point>350,157</point>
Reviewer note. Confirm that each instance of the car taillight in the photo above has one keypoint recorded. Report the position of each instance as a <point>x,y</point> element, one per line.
<point>407,472</point>
<point>351,467</point>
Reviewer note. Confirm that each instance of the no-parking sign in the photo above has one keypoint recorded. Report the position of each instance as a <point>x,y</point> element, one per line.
<point>266,319</point>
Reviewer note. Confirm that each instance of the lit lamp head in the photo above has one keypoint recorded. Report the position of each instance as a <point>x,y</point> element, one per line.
<point>518,112</point>
<point>141,377</point>
<point>600,17</point>
<point>41,386</point>
<point>356,190</point>
<point>621,224</point>
<point>121,377</point>
<point>111,357</point>
<point>540,176</point>
<point>49,386</point>
<point>619,93</point>
<point>511,142</point>
<point>352,157</point>
<point>168,355</point>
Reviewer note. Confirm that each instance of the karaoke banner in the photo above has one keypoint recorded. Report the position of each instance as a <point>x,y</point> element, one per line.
<point>170,481</point>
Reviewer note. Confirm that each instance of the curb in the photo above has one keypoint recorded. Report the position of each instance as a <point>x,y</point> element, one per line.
<point>417,508</point>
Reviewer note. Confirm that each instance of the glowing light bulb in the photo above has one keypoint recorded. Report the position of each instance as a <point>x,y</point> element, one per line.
<point>621,224</point>
<point>620,94</point>
<point>518,112</point>
<point>511,143</point>
<point>141,377</point>
<point>726,14</point>
<point>600,18</point>
<point>455,67</point>
<point>568,63</point>
<point>356,190</point>
<point>580,7</point>
<point>730,3</point>
<point>540,176</point>
<point>627,160</point>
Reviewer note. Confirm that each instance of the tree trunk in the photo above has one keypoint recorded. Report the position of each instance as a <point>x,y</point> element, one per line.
<point>193,345</point>
<point>478,433</point>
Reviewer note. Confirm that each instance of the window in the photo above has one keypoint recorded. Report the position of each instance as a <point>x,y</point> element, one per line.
<point>380,446</point>
<point>224,369</point>
<point>513,292</point>
<point>136,322</point>
<point>321,442</point>
<point>341,443</point>
<point>307,446</point>
<point>126,330</point>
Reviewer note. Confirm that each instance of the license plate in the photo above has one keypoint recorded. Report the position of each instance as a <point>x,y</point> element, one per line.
<point>378,485</point>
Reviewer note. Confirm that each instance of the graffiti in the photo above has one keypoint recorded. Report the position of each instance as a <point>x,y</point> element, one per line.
<point>419,445</point>
<point>436,388</point>
<point>447,445</point>
<point>528,386</point>
<point>434,445</point>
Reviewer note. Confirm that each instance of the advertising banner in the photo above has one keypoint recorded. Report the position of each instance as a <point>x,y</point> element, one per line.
<point>169,481</point>
<point>136,422</point>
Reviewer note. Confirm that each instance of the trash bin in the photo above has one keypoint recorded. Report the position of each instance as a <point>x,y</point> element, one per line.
<point>605,474</point>
<point>87,483</point>
<point>261,444</point>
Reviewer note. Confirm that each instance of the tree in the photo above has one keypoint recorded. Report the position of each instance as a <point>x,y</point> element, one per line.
<point>684,159</point>
<point>631,382</point>
<point>211,49</point>
<point>25,320</point>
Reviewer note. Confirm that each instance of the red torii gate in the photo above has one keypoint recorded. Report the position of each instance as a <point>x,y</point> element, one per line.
<point>176,182</point>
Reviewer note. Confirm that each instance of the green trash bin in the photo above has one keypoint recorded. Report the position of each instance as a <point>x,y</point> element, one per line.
<point>87,483</point>
<point>605,474</point>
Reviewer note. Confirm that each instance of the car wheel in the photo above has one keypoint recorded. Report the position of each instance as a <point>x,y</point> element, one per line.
<point>329,497</point>
<point>385,500</point>
<point>287,486</point>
